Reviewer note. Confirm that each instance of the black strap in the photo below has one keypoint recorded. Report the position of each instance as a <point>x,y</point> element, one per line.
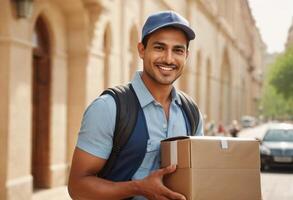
<point>126,117</point>
<point>191,110</point>
<point>127,106</point>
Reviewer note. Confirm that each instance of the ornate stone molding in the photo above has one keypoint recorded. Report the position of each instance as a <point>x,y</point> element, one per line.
<point>17,41</point>
<point>211,12</point>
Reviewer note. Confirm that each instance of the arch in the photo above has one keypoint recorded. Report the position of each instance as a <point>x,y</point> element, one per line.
<point>56,31</point>
<point>225,89</point>
<point>41,105</point>
<point>208,89</point>
<point>60,66</point>
<point>133,51</point>
<point>107,43</point>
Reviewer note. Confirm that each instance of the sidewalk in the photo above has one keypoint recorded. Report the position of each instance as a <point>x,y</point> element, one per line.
<point>59,193</point>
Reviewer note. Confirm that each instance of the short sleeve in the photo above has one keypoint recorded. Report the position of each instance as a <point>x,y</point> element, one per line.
<point>97,127</point>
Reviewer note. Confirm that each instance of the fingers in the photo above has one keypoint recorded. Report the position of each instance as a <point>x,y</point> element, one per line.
<point>164,198</point>
<point>173,195</point>
<point>154,188</point>
<point>167,170</point>
<point>169,193</point>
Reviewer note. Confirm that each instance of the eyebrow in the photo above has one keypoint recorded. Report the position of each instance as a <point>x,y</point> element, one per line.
<point>159,43</point>
<point>176,46</point>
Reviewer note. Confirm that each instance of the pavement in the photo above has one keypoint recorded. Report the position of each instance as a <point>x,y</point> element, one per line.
<point>255,132</point>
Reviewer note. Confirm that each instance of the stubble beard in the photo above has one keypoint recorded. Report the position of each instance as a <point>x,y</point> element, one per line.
<point>159,80</point>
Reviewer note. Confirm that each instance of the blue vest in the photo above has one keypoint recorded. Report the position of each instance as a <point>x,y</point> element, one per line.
<point>132,154</point>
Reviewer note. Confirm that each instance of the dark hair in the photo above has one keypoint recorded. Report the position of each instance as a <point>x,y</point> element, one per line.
<point>145,41</point>
<point>146,38</point>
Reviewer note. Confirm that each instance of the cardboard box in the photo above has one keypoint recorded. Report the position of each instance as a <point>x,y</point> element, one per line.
<point>213,168</point>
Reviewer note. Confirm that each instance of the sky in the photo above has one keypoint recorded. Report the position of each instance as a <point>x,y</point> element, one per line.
<point>273,18</point>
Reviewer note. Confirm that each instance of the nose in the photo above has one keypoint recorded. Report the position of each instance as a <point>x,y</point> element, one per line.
<point>169,56</point>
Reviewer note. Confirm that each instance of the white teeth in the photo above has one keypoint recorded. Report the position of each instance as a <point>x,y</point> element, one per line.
<point>165,68</point>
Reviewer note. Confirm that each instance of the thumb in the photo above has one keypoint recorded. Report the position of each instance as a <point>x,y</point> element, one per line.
<point>168,170</point>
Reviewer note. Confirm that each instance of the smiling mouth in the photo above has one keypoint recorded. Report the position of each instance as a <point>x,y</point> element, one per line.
<point>166,68</point>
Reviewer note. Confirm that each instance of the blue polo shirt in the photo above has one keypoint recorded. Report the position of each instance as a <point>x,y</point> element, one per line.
<point>98,124</point>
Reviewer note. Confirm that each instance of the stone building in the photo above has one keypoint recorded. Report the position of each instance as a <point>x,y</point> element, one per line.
<point>58,58</point>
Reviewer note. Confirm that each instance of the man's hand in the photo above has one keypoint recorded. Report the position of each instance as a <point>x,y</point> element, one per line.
<point>152,186</point>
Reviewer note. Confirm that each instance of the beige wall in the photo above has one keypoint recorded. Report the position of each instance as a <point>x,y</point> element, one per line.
<point>222,71</point>
<point>16,69</point>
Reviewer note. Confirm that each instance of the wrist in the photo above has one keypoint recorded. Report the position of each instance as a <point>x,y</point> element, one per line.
<point>137,187</point>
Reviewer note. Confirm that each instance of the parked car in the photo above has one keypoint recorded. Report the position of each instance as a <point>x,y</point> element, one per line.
<point>276,147</point>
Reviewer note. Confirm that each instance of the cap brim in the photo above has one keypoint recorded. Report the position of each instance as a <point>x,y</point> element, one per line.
<point>187,30</point>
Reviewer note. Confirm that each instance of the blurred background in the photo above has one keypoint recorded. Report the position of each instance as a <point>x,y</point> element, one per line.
<point>56,57</point>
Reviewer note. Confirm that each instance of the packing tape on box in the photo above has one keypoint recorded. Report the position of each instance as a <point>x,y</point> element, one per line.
<point>224,144</point>
<point>173,153</point>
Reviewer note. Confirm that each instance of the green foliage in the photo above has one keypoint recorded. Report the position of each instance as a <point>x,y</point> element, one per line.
<point>274,105</point>
<point>282,74</point>
<point>277,98</point>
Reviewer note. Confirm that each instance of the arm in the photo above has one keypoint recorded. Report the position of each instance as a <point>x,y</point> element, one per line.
<point>84,184</point>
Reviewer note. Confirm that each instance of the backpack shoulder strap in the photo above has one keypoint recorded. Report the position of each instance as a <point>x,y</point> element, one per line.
<point>127,106</point>
<point>191,110</point>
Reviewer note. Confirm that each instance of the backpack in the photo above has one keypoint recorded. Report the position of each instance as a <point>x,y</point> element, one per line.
<point>127,106</point>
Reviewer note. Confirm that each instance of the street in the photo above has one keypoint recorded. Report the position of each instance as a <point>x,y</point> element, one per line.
<point>277,185</point>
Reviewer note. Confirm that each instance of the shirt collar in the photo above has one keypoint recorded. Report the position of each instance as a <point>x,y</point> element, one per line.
<point>143,94</point>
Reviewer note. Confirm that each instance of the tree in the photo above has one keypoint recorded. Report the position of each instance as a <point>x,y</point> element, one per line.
<point>277,97</point>
<point>274,105</point>
<point>282,74</point>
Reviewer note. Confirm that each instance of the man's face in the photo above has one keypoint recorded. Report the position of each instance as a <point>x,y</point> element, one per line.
<point>164,56</point>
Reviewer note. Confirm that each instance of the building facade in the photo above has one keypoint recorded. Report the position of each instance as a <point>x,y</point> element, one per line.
<point>56,61</point>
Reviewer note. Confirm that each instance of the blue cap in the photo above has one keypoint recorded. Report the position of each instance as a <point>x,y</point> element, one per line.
<point>164,19</point>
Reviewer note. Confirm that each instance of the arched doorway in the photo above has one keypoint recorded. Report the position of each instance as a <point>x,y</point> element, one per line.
<point>41,105</point>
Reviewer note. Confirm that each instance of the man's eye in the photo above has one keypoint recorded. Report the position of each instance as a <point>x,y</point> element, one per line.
<point>180,51</point>
<point>159,47</point>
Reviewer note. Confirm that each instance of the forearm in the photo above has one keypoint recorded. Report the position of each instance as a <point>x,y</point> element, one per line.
<point>85,185</point>
<point>92,187</point>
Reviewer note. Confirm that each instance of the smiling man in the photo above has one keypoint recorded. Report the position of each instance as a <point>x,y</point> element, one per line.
<point>136,171</point>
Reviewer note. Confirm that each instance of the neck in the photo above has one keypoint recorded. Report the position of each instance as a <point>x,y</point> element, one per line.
<point>161,93</point>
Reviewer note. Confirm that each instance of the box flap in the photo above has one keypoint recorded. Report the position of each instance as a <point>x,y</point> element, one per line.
<point>175,151</point>
<point>224,153</point>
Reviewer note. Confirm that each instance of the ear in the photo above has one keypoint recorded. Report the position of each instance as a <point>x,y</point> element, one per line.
<point>141,50</point>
